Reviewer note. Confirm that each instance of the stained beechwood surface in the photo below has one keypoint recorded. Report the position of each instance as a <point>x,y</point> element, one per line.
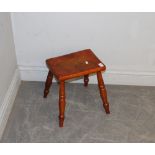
<point>73,65</point>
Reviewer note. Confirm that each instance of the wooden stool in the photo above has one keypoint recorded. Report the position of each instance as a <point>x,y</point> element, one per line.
<point>74,65</point>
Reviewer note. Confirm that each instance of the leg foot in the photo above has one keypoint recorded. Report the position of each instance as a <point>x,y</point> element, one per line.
<point>86,80</point>
<point>48,83</point>
<point>103,92</point>
<point>61,122</point>
<point>62,103</point>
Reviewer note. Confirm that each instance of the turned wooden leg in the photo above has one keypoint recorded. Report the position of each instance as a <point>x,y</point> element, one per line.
<point>48,83</point>
<point>62,103</point>
<point>103,92</point>
<point>86,80</point>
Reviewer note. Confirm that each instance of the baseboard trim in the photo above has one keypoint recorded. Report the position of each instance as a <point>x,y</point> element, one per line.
<point>115,77</point>
<point>8,101</point>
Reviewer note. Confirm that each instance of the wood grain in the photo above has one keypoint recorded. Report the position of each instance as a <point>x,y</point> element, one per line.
<point>48,83</point>
<point>62,103</point>
<point>103,92</point>
<point>81,63</point>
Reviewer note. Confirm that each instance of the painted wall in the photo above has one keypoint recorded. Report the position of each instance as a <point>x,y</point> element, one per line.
<point>9,73</point>
<point>125,42</point>
<point>8,63</point>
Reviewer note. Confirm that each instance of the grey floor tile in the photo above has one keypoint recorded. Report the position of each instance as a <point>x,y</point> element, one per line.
<point>127,112</point>
<point>110,130</point>
<point>35,120</point>
<point>87,140</point>
<point>98,140</point>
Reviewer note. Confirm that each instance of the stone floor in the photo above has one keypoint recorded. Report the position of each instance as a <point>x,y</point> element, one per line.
<point>35,119</point>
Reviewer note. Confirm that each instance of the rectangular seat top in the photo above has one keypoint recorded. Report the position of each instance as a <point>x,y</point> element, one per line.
<point>75,64</point>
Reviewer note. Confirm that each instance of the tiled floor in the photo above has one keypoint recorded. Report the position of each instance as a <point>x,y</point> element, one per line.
<point>34,119</point>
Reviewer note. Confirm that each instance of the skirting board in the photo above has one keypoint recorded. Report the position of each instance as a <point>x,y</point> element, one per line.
<point>115,77</point>
<point>8,101</point>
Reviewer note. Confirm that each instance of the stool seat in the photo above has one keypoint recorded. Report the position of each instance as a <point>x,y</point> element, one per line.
<point>81,63</point>
<point>75,64</point>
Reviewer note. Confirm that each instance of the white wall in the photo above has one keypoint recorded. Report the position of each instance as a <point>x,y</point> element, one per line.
<point>9,77</point>
<point>7,54</point>
<point>124,41</point>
